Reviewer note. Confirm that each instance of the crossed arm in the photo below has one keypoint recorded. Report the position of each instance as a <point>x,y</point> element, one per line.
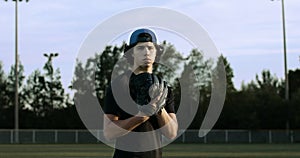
<point>168,122</point>
<point>114,127</point>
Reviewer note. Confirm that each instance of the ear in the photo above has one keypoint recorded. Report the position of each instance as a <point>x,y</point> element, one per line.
<point>160,49</point>
<point>131,53</point>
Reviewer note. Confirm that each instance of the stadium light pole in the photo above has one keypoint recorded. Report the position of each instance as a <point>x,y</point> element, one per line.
<point>285,58</point>
<point>16,73</point>
<point>284,52</point>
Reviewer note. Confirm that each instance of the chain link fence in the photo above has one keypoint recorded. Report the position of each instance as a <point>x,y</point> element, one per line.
<point>190,136</point>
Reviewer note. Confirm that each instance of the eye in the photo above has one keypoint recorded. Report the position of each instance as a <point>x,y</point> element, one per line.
<point>151,47</point>
<point>140,47</point>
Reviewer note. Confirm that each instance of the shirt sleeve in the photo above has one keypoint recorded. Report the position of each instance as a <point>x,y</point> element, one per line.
<point>110,105</point>
<point>170,105</point>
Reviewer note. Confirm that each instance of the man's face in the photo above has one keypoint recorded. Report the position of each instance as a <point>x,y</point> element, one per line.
<point>144,54</point>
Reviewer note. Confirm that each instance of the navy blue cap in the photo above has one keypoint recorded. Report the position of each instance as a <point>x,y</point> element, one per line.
<point>142,35</point>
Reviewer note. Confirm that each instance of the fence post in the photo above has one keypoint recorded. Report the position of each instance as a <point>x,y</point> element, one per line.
<point>183,137</point>
<point>250,136</point>
<point>11,136</point>
<point>292,136</point>
<point>55,136</point>
<point>33,136</point>
<point>270,136</point>
<point>76,136</point>
<point>226,136</point>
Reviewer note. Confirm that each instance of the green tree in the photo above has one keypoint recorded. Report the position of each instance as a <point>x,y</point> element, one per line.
<point>229,74</point>
<point>170,64</point>
<point>199,68</point>
<point>81,82</point>
<point>83,88</point>
<point>3,86</point>
<point>223,72</point>
<point>11,84</point>
<point>35,93</point>
<point>105,63</point>
<point>294,95</point>
<point>263,106</point>
<point>272,109</point>
<point>91,77</point>
<point>295,110</point>
<point>44,97</point>
<point>294,81</point>
<point>51,80</point>
<point>202,68</point>
<point>5,121</point>
<point>8,95</point>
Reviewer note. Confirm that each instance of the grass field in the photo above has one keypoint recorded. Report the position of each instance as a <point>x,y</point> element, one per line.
<point>171,151</point>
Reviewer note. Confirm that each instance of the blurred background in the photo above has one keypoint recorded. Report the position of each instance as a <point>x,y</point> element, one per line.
<point>258,42</point>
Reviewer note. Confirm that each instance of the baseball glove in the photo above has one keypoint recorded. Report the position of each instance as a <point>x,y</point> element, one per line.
<point>151,93</point>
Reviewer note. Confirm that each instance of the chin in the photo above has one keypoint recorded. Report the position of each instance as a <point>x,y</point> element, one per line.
<point>145,67</point>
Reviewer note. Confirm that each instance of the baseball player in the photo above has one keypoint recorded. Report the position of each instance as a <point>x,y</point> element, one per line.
<point>150,107</point>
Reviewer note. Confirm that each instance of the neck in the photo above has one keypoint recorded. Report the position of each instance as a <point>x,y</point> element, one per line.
<point>141,69</point>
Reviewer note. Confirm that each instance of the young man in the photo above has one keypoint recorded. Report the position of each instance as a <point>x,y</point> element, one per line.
<point>153,109</point>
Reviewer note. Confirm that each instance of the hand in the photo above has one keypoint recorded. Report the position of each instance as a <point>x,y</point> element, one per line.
<point>147,110</point>
<point>158,93</point>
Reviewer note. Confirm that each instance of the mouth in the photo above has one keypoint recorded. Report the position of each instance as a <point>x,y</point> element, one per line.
<point>147,60</point>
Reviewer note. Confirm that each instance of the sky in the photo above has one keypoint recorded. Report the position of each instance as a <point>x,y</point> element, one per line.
<point>247,32</point>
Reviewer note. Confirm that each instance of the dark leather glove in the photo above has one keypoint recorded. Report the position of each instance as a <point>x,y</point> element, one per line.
<point>159,91</point>
<point>156,93</point>
<point>142,83</point>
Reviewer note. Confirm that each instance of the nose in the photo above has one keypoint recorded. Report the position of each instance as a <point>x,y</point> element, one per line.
<point>147,51</point>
